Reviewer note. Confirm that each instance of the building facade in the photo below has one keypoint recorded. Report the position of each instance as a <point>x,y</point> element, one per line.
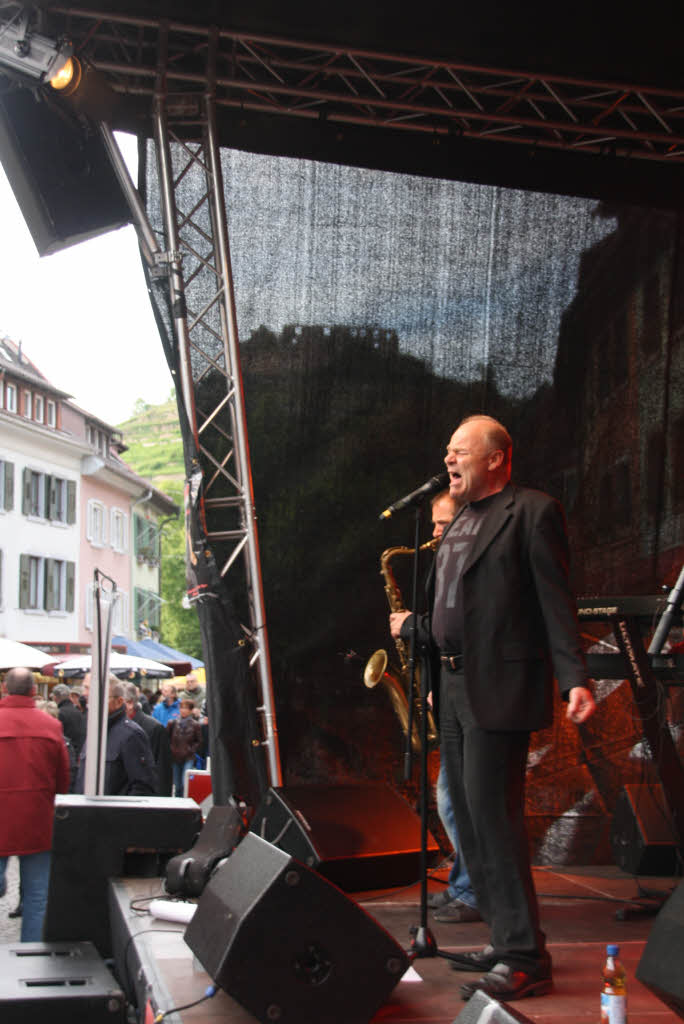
<point>75,520</point>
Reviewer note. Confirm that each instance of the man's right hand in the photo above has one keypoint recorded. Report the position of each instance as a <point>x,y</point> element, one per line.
<point>397,619</point>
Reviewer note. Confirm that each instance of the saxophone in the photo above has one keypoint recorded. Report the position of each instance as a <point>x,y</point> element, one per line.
<point>376,667</point>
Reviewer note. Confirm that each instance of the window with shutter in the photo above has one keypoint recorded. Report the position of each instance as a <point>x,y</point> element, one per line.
<point>36,584</point>
<point>51,584</point>
<point>71,502</point>
<point>9,486</point>
<point>97,523</point>
<point>118,530</point>
<point>24,578</point>
<point>6,485</point>
<point>70,586</point>
<point>26,492</point>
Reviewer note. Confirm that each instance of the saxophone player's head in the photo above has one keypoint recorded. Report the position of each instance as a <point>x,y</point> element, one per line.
<point>444,508</point>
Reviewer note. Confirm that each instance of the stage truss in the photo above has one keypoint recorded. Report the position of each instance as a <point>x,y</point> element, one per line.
<point>350,86</point>
<point>202,299</point>
<point>187,242</point>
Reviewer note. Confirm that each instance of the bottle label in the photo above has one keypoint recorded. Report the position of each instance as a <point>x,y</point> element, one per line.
<point>613,1009</point>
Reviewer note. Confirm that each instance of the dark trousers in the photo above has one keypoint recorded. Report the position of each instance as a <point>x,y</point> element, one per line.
<point>486,775</point>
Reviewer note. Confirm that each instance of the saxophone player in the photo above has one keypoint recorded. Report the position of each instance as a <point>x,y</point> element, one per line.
<point>504,621</point>
<point>456,904</point>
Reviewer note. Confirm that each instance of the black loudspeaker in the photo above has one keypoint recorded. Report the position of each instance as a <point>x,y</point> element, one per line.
<point>358,835</point>
<point>482,1009</point>
<point>288,945</point>
<point>97,838</point>
<point>660,967</point>
<point>59,170</point>
<point>59,981</point>
<point>642,835</point>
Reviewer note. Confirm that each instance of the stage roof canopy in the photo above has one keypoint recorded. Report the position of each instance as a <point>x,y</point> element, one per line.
<point>584,100</point>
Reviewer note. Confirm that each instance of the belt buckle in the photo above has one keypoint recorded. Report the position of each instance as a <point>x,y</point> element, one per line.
<point>454,661</point>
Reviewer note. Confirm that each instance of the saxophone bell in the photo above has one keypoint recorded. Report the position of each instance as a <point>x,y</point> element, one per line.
<point>376,672</point>
<point>375,668</point>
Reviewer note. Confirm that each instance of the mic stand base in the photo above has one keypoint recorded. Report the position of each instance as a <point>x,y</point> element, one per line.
<point>423,942</point>
<point>423,945</point>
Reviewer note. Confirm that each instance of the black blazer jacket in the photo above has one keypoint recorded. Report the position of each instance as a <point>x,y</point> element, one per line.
<point>520,622</point>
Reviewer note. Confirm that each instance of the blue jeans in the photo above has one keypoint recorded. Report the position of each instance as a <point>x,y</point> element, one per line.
<point>34,872</point>
<point>179,774</point>
<point>459,881</point>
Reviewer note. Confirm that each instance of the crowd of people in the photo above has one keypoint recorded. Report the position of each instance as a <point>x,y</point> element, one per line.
<point>153,738</point>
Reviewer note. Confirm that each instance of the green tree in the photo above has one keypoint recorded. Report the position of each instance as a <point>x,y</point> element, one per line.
<point>140,407</point>
<point>179,625</point>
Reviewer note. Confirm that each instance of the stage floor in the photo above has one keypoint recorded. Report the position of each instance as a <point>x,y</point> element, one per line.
<point>578,907</point>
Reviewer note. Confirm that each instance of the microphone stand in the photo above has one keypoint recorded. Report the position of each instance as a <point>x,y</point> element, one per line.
<point>673,607</point>
<point>423,943</point>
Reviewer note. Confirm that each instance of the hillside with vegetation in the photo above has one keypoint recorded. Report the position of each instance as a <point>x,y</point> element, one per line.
<point>155,452</point>
<point>155,447</point>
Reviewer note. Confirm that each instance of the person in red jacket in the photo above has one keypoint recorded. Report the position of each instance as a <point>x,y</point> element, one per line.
<point>34,766</point>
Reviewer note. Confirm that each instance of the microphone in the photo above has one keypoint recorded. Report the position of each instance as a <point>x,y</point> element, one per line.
<point>434,484</point>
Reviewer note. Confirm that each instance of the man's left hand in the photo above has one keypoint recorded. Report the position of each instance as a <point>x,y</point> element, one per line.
<point>581,705</point>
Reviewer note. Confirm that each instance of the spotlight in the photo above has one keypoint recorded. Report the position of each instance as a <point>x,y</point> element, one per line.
<point>31,54</point>
<point>68,79</point>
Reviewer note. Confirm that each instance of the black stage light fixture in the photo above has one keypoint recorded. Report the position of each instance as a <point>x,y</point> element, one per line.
<point>59,168</point>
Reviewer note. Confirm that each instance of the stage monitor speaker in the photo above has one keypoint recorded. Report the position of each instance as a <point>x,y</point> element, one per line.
<point>358,835</point>
<point>482,1009</point>
<point>288,945</point>
<point>59,981</point>
<point>660,967</point>
<point>642,835</point>
<point>59,170</point>
<point>97,838</point>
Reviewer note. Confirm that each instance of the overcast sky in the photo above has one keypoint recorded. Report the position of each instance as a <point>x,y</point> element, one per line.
<point>82,315</point>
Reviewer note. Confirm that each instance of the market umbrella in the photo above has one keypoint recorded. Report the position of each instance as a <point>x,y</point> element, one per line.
<point>16,655</point>
<point>119,665</point>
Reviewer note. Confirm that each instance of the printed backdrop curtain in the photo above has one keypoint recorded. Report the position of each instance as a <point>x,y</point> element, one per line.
<point>377,309</point>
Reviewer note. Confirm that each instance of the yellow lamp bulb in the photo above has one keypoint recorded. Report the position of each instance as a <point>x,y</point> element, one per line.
<point>67,79</point>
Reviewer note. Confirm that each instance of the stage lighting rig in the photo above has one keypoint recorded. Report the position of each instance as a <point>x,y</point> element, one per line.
<point>32,55</point>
